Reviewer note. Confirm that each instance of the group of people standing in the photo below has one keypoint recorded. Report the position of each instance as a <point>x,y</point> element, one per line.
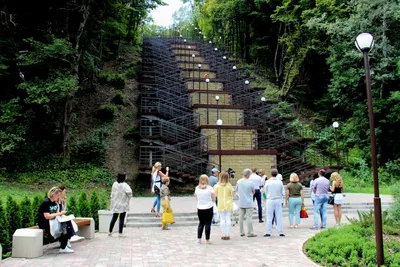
<point>217,193</point>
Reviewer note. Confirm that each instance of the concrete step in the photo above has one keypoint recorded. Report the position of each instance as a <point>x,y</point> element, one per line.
<point>138,220</point>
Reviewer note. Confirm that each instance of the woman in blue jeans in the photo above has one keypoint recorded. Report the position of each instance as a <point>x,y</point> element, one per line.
<point>156,176</point>
<point>294,194</point>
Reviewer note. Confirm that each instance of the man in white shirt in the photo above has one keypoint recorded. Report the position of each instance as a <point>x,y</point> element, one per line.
<point>275,191</point>
<point>256,180</point>
<point>246,191</point>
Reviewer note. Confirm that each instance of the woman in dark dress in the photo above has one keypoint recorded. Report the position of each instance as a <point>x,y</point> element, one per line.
<point>49,210</point>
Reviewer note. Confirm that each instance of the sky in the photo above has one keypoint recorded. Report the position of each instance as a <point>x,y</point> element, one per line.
<point>163,15</point>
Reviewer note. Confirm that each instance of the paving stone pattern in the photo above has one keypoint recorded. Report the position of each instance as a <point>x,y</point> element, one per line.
<point>179,247</point>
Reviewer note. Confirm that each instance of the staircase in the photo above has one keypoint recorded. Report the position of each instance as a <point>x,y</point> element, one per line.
<point>186,87</point>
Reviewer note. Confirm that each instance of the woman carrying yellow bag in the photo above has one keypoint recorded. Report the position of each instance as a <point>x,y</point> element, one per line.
<point>168,216</point>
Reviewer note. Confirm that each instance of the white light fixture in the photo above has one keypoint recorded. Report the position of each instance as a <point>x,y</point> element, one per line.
<point>217,97</point>
<point>207,80</point>
<point>219,122</point>
<point>234,67</point>
<point>335,124</point>
<point>216,49</point>
<point>189,47</point>
<point>365,42</point>
<point>224,57</point>
<point>184,40</point>
<point>246,82</point>
<point>180,36</point>
<point>199,66</point>
<point>193,55</point>
<point>263,99</point>
<point>200,32</point>
<point>210,42</point>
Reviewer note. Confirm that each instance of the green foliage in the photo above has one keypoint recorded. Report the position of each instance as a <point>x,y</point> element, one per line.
<point>132,135</point>
<point>119,98</point>
<point>77,177</point>
<point>91,150</point>
<point>83,205</point>
<point>107,112</point>
<point>113,79</point>
<point>26,212</point>
<point>72,207</point>
<point>4,234</point>
<point>95,207</point>
<point>13,215</point>
<point>35,207</point>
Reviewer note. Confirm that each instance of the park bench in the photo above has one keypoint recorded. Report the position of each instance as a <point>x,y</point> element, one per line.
<point>28,242</point>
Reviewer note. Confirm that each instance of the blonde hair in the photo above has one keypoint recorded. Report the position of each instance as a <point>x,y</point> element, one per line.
<point>156,165</point>
<point>336,178</point>
<point>294,178</point>
<point>203,181</point>
<point>223,178</point>
<point>53,191</point>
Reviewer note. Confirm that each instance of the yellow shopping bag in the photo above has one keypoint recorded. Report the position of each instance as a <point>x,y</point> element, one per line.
<point>167,216</point>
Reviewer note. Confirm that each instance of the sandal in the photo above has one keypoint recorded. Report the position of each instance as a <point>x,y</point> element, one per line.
<point>152,210</point>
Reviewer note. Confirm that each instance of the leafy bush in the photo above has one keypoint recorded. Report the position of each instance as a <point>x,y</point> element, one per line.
<point>71,178</point>
<point>26,212</point>
<point>83,205</point>
<point>13,215</point>
<point>119,98</point>
<point>132,135</point>
<point>91,149</point>
<point>94,207</point>
<point>4,235</point>
<point>35,207</point>
<point>72,207</point>
<point>106,112</point>
<point>114,79</point>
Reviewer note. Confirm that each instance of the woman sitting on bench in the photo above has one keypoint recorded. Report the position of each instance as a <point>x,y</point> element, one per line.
<point>49,210</point>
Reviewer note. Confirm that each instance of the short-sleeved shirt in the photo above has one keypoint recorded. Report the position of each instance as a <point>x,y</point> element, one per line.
<point>256,180</point>
<point>204,197</point>
<point>47,206</point>
<point>224,195</point>
<point>322,186</point>
<point>212,180</point>
<point>245,188</point>
<point>164,192</point>
<point>294,189</point>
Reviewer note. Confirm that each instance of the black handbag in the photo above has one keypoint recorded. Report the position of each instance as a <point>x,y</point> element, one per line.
<point>331,200</point>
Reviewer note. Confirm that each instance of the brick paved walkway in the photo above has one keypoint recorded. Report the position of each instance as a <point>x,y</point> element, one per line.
<point>178,246</point>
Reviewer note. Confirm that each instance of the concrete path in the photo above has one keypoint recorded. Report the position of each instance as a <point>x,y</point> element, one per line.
<point>179,247</point>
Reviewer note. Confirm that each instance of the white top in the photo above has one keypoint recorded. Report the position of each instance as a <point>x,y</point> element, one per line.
<point>256,180</point>
<point>120,194</point>
<point>263,179</point>
<point>274,189</point>
<point>155,180</point>
<point>204,197</point>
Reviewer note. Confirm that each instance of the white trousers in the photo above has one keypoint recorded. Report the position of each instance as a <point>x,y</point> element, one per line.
<point>274,205</point>
<point>225,222</point>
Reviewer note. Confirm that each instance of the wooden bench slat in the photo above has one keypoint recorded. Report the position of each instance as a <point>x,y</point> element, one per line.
<point>78,221</point>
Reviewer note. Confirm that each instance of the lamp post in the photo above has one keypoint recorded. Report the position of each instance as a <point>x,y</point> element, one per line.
<point>246,82</point>
<point>188,58</point>
<point>207,81</point>
<point>335,125</point>
<point>219,124</point>
<point>193,56</point>
<point>199,66</point>
<point>216,50</point>
<point>217,99</point>
<point>364,43</point>
<point>180,43</point>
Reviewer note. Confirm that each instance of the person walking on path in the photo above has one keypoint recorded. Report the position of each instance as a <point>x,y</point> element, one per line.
<point>246,191</point>
<point>337,189</point>
<point>156,176</point>
<point>224,192</point>
<point>120,195</point>
<point>275,191</point>
<point>295,197</point>
<point>321,189</point>
<point>168,217</point>
<point>256,180</point>
<point>205,196</point>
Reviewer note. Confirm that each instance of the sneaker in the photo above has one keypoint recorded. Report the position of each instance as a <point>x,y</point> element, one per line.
<point>251,235</point>
<point>267,235</point>
<point>199,241</point>
<point>66,250</point>
<point>109,234</point>
<point>69,244</point>
<point>282,235</point>
<point>208,242</point>
<point>121,235</point>
<point>242,234</point>
<point>313,228</point>
<point>260,221</point>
